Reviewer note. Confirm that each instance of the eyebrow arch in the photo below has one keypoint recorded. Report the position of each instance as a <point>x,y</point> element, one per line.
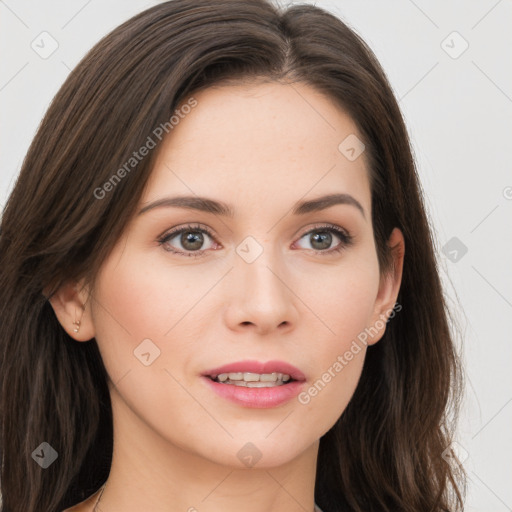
<point>219,208</point>
<point>324,202</point>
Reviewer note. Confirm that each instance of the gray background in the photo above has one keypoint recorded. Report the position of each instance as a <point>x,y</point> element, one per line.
<point>458,108</point>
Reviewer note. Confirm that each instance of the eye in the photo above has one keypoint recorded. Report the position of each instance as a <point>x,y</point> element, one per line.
<point>321,239</point>
<point>190,240</point>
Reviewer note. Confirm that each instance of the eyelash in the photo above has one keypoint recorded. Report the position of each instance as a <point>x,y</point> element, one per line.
<point>346,238</point>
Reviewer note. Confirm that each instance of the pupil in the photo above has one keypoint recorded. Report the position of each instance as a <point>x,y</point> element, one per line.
<point>192,240</point>
<point>325,239</point>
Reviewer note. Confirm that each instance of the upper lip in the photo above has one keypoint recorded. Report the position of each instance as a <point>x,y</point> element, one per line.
<point>257,367</point>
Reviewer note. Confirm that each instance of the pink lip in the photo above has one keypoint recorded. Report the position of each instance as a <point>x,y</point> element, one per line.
<point>258,367</point>
<point>257,397</point>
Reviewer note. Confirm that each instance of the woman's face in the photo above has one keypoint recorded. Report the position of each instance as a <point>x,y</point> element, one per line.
<point>273,281</point>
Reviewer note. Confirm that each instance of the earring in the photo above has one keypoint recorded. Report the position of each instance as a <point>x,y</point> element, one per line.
<point>78,322</point>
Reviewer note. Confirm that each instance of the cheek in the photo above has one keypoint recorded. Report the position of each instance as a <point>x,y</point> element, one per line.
<point>137,300</point>
<point>344,301</point>
<point>345,304</point>
<point>128,311</point>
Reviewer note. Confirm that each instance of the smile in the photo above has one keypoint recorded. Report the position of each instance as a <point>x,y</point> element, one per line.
<point>253,380</point>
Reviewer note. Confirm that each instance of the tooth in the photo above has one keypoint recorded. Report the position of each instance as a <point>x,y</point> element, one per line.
<point>269,377</point>
<point>251,377</point>
<point>248,379</point>
<point>262,384</point>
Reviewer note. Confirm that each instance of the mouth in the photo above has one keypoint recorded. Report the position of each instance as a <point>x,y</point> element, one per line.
<point>256,384</point>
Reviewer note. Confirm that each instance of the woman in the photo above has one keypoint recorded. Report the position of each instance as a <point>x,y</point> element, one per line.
<point>218,283</point>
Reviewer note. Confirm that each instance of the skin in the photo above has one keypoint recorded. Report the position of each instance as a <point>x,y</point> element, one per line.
<point>260,148</point>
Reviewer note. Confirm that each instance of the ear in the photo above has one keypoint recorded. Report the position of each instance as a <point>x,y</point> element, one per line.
<point>71,303</point>
<point>389,286</point>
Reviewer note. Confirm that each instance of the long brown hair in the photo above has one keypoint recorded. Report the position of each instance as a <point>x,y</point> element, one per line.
<point>387,450</point>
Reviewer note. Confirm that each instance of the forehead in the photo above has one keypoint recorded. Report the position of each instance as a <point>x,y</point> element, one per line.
<point>260,142</point>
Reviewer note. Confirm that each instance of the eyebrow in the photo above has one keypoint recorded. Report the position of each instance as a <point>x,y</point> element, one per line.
<point>208,205</point>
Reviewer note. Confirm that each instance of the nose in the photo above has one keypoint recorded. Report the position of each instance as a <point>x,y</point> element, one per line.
<point>259,295</point>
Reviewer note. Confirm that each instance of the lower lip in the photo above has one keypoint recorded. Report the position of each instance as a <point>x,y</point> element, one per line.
<point>256,397</point>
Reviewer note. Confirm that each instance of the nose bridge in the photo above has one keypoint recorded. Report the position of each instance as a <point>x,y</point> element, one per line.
<point>261,294</point>
<point>258,263</point>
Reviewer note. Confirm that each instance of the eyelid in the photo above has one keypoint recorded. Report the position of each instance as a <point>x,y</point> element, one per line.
<point>328,226</point>
<point>192,226</point>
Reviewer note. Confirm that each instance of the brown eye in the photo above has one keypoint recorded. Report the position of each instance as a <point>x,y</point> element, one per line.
<point>187,241</point>
<point>191,241</point>
<point>323,239</point>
